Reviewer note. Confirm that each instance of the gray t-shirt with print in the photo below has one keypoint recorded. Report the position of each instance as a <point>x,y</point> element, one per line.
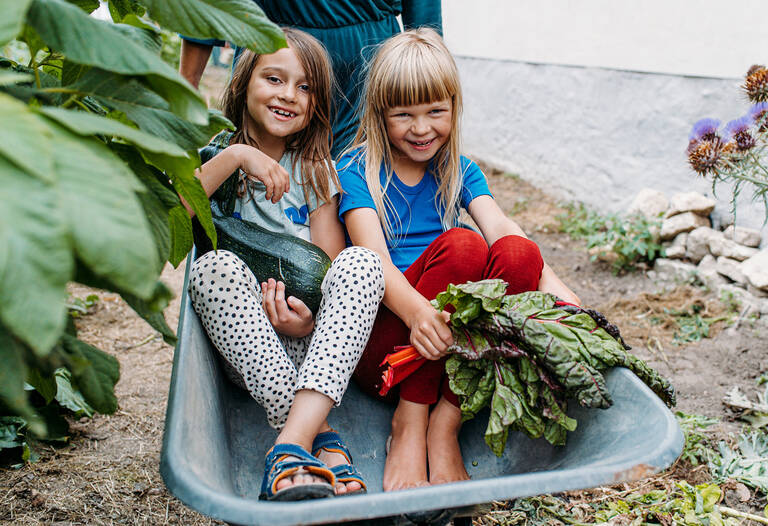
<point>290,215</point>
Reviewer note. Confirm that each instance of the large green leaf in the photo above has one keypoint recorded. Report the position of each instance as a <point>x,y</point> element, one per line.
<point>38,259</point>
<point>45,384</point>
<point>84,123</point>
<point>68,396</point>
<point>182,237</point>
<point>94,373</point>
<point>85,40</point>
<point>152,312</point>
<point>239,21</point>
<point>119,9</point>
<point>86,5</point>
<point>12,375</point>
<point>106,221</point>
<point>12,20</point>
<point>182,174</point>
<point>146,109</point>
<point>27,142</point>
<point>11,77</point>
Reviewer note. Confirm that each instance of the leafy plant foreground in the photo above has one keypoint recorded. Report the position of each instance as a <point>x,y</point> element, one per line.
<point>98,145</point>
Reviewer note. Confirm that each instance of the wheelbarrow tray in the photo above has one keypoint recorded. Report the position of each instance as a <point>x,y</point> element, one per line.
<point>216,437</point>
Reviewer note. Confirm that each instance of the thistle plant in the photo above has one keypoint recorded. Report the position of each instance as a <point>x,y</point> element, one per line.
<point>736,153</point>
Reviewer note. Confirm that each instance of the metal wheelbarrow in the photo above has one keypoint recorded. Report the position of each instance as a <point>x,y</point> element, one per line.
<point>216,437</point>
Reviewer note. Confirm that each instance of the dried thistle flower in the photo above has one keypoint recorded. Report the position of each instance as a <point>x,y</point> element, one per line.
<point>758,112</point>
<point>756,83</point>
<point>737,132</point>
<point>704,156</point>
<point>703,130</point>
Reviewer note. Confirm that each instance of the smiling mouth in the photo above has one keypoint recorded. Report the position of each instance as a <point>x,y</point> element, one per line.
<point>421,145</point>
<point>282,113</point>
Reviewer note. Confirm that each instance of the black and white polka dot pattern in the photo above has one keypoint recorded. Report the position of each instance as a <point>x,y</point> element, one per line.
<point>271,366</point>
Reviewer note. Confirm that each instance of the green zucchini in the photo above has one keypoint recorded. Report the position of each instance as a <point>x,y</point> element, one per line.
<point>297,263</point>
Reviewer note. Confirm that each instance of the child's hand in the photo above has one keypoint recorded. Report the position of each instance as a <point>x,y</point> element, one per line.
<point>430,333</point>
<point>259,166</point>
<point>288,316</point>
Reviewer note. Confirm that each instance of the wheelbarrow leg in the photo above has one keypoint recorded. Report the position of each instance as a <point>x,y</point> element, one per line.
<point>462,521</point>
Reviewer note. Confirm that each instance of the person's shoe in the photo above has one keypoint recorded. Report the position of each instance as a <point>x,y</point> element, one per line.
<point>278,465</point>
<point>345,473</point>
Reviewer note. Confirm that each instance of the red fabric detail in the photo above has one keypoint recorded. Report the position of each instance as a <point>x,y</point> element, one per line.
<point>456,256</point>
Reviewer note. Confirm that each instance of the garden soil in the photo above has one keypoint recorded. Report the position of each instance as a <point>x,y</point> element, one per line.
<point>108,472</point>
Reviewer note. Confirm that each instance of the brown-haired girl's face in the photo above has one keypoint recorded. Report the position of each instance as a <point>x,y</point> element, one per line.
<point>278,96</point>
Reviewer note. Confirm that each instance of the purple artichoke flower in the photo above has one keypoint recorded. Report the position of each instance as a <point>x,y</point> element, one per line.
<point>704,130</point>
<point>737,131</point>
<point>758,113</point>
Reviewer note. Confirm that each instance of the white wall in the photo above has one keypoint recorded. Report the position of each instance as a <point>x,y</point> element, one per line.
<point>708,38</point>
<point>593,101</point>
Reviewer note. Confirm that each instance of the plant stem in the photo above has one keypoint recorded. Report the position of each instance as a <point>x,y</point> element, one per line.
<point>742,515</point>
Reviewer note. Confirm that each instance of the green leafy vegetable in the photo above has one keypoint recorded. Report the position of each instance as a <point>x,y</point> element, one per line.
<point>524,354</point>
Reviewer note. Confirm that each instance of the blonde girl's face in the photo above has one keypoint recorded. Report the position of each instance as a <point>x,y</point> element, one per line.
<point>417,132</point>
<point>278,96</point>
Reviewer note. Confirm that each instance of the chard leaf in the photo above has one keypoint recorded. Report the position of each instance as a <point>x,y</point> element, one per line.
<point>505,410</point>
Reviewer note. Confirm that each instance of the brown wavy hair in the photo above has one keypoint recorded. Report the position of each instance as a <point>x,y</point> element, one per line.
<point>312,144</point>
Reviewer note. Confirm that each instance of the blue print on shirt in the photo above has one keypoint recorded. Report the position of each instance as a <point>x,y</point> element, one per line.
<point>298,216</point>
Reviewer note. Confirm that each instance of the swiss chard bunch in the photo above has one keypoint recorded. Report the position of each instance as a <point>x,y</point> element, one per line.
<point>525,354</point>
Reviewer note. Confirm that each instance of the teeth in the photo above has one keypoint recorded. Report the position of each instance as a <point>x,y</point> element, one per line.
<point>283,112</point>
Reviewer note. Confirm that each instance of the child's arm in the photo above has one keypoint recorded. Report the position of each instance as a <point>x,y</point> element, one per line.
<point>325,229</point>
<point>256,164</point>
<point>494,225</point>
<point>430,333</point>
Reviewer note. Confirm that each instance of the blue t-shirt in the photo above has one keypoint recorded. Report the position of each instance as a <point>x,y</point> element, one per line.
<point>415,219</point>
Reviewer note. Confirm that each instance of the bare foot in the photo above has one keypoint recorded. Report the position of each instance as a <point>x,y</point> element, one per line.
<point>406,465</point>
<point>445,462</point>
<point>331,459</point>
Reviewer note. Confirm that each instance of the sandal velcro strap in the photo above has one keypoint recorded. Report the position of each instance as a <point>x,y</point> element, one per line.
<point>331,442</point>
<point>279,465</point>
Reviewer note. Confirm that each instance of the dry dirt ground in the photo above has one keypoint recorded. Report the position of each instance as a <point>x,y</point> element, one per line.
<point>108,472</point>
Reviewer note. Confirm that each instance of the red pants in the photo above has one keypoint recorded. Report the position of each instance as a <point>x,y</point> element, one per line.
<point>456,256</point>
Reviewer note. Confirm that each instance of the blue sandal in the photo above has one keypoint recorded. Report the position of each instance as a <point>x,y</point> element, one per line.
<point>277,467</point>
<point>345,473</point>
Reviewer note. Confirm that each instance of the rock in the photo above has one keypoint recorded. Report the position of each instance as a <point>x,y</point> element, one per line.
<point>690,202</point>
<point>676,249</point>
<point>721,219</point>
<point>731,269</point>
<point>681,223</point>
<point>758,293</point>
<point>675,271</point>
<point>697,244</point>
<point>707,271</point>
<point>603,253</point>
<point>649,202</point>
<point>744,236</point>
<point>755,269</point>
<point>720,246</point>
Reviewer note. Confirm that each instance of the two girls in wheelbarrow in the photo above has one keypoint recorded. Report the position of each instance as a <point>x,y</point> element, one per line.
<point>295,365</point>
<point>405,183</point>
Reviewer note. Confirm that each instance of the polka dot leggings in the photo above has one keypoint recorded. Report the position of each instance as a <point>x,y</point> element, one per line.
<point>271,366</point>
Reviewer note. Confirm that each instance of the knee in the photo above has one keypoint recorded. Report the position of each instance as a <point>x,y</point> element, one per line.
<point>465,249</point>
<point>213,267</point>
<point>359,266</point>
<point>518,251</point>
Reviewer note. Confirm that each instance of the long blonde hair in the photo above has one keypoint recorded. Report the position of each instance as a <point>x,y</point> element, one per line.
<point>312,144</point>
<point>413,67</point>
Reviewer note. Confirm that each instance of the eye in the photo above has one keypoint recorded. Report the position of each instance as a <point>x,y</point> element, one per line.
<point>273,79</point>
<point>437,111</point>
<point>305,87</point>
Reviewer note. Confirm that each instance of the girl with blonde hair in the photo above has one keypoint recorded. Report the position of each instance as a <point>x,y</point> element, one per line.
<point>405,182</point>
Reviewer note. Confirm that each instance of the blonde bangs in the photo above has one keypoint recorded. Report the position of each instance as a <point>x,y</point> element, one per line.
<point>413,67</point>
